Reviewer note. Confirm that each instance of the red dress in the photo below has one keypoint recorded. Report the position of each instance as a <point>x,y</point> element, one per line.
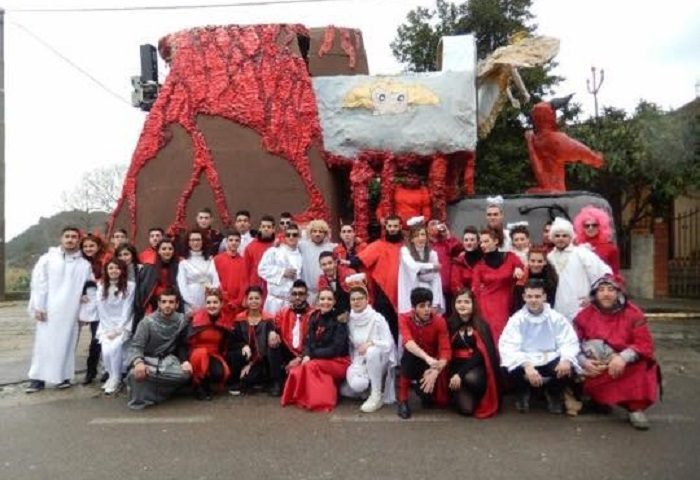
<point>314,385</point>
<point>493,289</point>
<point>207,340</point>
<point>233,276</point>
<point>626,328</point>
<point>461,274</point>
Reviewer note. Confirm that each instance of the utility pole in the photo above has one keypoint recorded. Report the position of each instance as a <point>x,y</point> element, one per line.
<point>2,154</point>
<point>593,90</point>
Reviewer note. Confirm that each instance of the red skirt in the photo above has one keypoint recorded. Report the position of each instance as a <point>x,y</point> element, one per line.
<point>637,384</point>
<point>314,384</point>
<point>200,358</point>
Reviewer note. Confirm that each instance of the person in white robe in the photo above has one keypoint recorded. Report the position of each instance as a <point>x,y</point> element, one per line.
<point>373,356</point>
<point>115,309</point>
<point>419,267</point>
<point>280,267</point>
<point>317,242</point>
<point>539,348</point>
<point>196,272</point>
<point>56,288</point>
<point>577,266</point>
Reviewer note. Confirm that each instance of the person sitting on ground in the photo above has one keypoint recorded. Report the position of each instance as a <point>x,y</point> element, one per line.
<point>426,353</point>
<point>373,357</point>
<point>538,347</point>
<point>115,307</point>
<point>255,353</point>
<point>617,352</point>
<point>208,337</point>
<point>474,365</point>
<point>292,323</point>
<point>313,384</point>
<point>334,278</point>
<point>158,355</point>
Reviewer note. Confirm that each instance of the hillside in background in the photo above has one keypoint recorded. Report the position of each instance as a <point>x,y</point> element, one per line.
<point>23,251</point>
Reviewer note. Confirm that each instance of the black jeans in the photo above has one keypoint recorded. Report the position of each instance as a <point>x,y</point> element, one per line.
<point>268,369</point>
<point>94,351</point>
<point>551,384</point>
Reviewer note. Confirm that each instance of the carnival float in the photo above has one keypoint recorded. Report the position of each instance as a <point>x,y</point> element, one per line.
<point>277,117</point>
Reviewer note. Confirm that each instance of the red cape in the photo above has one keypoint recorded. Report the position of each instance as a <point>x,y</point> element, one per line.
<point>381,262</point>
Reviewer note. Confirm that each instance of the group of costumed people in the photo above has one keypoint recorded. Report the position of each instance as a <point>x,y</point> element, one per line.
<point>289,311</point>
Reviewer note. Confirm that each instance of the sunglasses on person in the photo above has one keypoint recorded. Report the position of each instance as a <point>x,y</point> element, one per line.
<point>291,234</point>
<point>285,222</point>
<point>590,225</point>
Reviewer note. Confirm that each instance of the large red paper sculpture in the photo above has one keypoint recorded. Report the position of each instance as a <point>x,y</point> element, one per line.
<point>550,150</point>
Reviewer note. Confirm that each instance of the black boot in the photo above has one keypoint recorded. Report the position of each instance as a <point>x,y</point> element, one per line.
<point>403,410</point>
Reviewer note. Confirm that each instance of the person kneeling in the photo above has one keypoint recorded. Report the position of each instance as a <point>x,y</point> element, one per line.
<point>618,352</point>
<point>473,369</point>
<point>255,355</point>
<point>539,348</point>
<point>207,337</point>
<point>158,354</point>
<point>312,384</point>
<point>372,354</point>
<point>426,344</point>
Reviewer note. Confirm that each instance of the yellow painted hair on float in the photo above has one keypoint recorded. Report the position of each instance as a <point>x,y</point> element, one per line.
<point>361,95</point>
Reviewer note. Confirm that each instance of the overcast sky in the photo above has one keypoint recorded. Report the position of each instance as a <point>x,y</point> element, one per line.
<point>60,124</point>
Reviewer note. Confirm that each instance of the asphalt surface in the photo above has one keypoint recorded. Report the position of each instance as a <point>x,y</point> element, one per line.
<point>81,434</point>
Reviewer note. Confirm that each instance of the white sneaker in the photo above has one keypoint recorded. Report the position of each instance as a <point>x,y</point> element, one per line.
<point>373,403</point>
<point>112,385</point>
<point>639,420</point>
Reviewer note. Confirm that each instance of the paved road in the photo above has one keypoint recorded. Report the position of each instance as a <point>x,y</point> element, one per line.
<point>79,433</point>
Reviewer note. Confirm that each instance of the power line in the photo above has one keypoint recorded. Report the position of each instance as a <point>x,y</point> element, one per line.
<point>71,63</point>
<point>166,7</point>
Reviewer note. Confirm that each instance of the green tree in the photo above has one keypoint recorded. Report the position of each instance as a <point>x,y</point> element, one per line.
<point>650,158</point>
<point>502,163</point>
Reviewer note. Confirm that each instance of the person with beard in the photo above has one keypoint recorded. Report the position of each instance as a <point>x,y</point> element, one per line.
<point>577,267</point>
<point>149,255</point>
<point>537,267</point>
<point>494,281</point>
<point>154,279</point>
<point>617,352</point>
<point>419,267</point>
<point>473,369</point>
<point>593,226</point>
<point>255,353</point>
<point>257,248</point>
<point>58,279</point>
<point>313,383</point>
<point>158,355</point>
<point>463,265</point>
<point>207,338</point>
<point>380,261</point>
<point>233,274</point>
<point>447,247</point>
<point>291,325</point>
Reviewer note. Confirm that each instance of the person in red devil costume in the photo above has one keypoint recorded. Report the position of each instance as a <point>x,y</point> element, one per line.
<point>207,338</point>
<point>550,150</point>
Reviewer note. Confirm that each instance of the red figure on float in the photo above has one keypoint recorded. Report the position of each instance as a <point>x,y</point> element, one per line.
<point>550,150</point>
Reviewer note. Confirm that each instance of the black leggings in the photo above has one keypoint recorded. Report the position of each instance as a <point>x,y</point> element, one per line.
<point>94,352</point>
<point>471,391</point>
